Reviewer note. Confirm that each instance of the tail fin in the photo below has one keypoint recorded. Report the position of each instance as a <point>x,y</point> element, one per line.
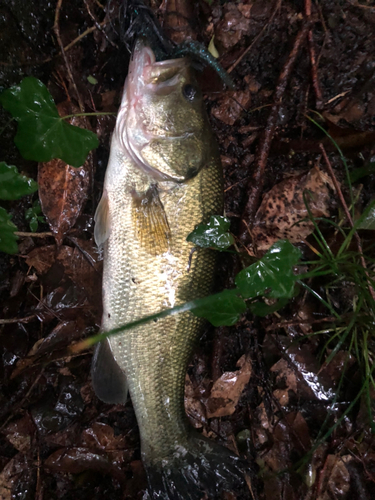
<point>202,467</point>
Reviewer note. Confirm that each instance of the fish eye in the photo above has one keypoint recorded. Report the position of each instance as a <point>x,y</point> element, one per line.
<point>189,92</point>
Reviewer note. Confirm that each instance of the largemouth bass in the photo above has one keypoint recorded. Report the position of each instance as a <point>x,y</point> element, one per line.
<point>163,178</point>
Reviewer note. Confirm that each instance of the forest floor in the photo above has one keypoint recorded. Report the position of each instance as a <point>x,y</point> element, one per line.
<point>291,391</point>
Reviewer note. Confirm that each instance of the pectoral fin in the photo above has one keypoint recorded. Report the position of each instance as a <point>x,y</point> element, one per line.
<point>102,222</point>
<point>151,221</point>
<point>108,380</point>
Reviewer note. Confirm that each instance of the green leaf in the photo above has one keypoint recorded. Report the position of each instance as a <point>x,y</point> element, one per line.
<point>8,240</point>
<point>212,235</point>
<point>42,134</point>
<point>222,309</point>
<point>13,185</point>
<point>91,79</point>
<point>32,215</point>
<point>272,275</point>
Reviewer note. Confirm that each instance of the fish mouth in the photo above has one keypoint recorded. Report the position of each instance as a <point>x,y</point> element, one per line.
<point>150,76</point>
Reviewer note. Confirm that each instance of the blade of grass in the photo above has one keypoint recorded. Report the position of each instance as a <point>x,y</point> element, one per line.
<point>317,296</point>
<point>342,157</point>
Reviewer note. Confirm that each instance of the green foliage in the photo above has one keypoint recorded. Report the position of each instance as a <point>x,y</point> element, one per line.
<point>222,309</point>
<point>33,215</point>
<point>13,185</point>
<point>212,235</point>
<point>91,79</point>
<point>42,134</point>
<point>272,274</point>
<point>8,240</point>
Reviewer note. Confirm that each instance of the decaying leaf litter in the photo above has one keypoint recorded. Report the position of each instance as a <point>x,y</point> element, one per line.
<point>262,385</point>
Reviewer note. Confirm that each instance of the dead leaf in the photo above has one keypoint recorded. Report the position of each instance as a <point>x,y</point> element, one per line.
<point>227,390</point>
<point>194,407</point>
<point>82,263</point>
<point>101,436</point>
<point>285,374</point>
<point>281,213</point>
<point>19,433</point>
<point>334,480</point>
<point>76,460</point>
<point>42,258</point>
<point>63,189</point>
<point>232,27</point>
<point>230,107</point>
<point>10,475</point>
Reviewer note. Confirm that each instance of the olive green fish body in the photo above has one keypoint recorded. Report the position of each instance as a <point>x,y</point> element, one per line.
<point>163,178</point>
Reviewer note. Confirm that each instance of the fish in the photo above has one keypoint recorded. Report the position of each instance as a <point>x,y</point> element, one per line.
<point>163,177</point>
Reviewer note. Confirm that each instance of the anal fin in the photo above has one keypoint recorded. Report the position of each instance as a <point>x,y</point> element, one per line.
<point>151,221</point>
<point>108,380</point>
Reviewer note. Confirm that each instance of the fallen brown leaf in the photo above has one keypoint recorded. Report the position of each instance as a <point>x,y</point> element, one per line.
<point>334,480</point>
<point>281,213</point>
<point>227,390</point>
<point>76,460</point>
<point>234,24</point>
<point>230,107</point>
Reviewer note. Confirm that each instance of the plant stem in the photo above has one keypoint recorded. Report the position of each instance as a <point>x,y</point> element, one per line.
<point>101,113</point>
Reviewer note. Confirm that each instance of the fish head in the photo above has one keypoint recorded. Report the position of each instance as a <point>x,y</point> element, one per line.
<point>162,122</point>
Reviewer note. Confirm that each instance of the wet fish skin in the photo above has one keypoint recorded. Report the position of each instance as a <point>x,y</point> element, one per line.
<point>163,178</point>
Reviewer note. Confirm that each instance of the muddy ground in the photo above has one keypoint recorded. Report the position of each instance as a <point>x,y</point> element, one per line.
<point>288,59</point>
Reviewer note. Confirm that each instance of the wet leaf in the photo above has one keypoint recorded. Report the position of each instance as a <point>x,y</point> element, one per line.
<point>232,27</point>
<point>14,185</point>
<point>42,134</point>
<point>223,309</point>
<point>63,191</point>
<point>194,407</point>
<point>227,390</point>
<point>42,258</point>
<point>101,436</point>
<point>282,213</point>
<point>75,460</point>
<point>334,478</point>
<point>13,476</point>
<point>232,105</point>
<point>273,274</point>
<point>212,235</point>
<point>8,240</point>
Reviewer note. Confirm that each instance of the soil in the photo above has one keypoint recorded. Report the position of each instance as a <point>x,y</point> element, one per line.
<point>288,59</point>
